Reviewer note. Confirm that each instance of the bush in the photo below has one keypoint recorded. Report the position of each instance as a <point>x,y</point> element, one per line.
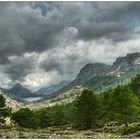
<point>133,129</point>
<point>123,105</point>
<point>86,110</point>
<point>56,115</point>
<point>26,118</point>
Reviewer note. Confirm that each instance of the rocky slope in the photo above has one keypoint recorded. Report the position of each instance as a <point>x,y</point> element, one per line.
<point>129,62</point>
<point>65,97</point>
<point>87,74</point>
<point>14,105</point>
<point>122,65</point>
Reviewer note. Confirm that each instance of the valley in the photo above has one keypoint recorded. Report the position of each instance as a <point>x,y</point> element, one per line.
<point>98,78</point>
<point>69,70</point>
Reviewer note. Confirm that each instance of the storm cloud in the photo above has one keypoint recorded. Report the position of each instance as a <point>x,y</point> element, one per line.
<point>57,39</point>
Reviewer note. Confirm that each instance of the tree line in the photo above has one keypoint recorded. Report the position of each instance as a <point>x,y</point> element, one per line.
<point>120,104</point>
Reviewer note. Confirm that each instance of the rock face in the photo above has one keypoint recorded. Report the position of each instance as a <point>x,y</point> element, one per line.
<point>131,61</point>
<point>18,92</point>
<point>87,72</point>
<point>91,70</point>
<point>122,64</point>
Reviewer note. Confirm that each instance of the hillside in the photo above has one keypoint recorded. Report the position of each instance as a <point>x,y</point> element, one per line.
<point>14,105</point>
<point>99,76</point>
<point>66,97</point>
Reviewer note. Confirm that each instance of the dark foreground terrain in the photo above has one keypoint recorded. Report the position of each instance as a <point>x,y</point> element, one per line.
<point>110,130</point>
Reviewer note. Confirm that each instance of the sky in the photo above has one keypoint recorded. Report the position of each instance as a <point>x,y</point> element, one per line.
<point>43,43</point>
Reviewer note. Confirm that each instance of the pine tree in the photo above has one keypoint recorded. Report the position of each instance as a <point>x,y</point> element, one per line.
<point>135,85</point>
<point>86,110</point>
<point>123,105</point>
<point>26,118</point>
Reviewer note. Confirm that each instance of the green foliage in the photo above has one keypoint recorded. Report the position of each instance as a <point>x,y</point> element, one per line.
<point>103,82</point>
<point>106,82</point>
<point>52,116</point>
<point>86,110</point>
<point>133,129</point>
<point>56,115</point>
<point>123,105</point>
<point>4,110</point>
<point>45,117</point>
<point>104,107</point>
<point>26,118</point>
<point>135,85</point>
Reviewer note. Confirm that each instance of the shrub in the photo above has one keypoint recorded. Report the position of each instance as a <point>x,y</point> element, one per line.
<point>26,118</point>
<point>133,129</point>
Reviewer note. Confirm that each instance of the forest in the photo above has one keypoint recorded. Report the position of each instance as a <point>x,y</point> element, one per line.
<point>90,111</point>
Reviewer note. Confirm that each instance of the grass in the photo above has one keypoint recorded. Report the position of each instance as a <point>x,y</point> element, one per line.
<point>59,132</point>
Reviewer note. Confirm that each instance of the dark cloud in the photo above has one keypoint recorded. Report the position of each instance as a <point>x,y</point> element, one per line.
<point>25,30</point>
<point>4,60</point>
<point>53,65</point>
<point>111,30</point>
<point>18,70</point>
<point>27,27</point>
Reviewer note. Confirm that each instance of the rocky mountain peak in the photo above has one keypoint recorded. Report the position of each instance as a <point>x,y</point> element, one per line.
<point>18,85</point>
<point>130,61</point>
<point>91,70</point>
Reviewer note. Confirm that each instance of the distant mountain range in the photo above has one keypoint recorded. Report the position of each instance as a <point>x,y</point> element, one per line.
<point>18,92</point>
<point>97,76</point>
<point>101,76</point>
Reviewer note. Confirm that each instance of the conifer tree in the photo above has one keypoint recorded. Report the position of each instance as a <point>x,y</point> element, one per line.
<point>86,110</point>
<point>135,85</point>
<point>123,105</point>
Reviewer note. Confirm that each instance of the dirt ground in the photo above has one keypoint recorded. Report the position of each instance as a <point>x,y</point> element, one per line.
<point>60,132</point>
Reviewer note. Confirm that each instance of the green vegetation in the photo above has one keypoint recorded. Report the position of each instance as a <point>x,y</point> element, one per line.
<point>103,82</point>
<point>123,105</point>
<point>52,116</point>
<point>99,112</point>
<point>55,115</point>
<point>4,110</point>
<point>86,110</point>
<point>135,85</point>
<point>132,129</point>
<point>26,118</point>
<point>107,82</point>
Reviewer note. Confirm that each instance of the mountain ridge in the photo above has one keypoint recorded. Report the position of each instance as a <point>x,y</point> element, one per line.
<point>121,65</point>
<point>18,92</point>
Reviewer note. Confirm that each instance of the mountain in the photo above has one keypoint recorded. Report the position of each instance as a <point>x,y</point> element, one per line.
<point>87,72</point>
<point>18,92</point>
<point>91,70</point>
<point>99,76</point>
<point>129,62</point>
<point>51,89</point>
